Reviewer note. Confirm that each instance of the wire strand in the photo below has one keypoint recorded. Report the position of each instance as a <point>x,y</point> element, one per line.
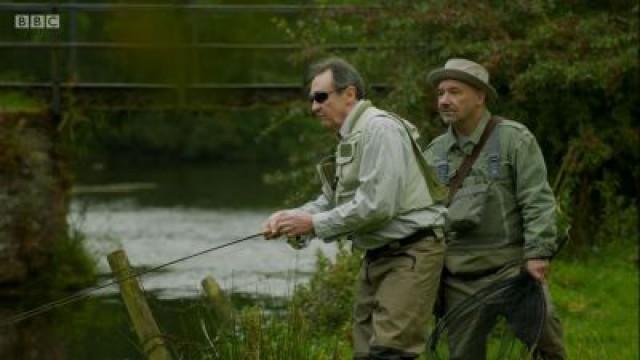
<point>86,292</point>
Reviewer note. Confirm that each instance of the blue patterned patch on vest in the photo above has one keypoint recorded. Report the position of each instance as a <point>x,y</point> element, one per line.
<point>494,165</point>
<point>442,169</point>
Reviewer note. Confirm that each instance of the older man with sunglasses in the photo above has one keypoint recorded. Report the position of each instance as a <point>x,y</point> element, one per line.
<point>378,192</point>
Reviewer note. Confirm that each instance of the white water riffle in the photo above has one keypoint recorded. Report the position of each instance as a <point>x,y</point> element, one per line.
<point>155,235</point>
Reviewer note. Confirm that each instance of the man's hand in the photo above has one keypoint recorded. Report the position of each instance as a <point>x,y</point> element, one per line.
<point>538,268</point>
<point>295,223</point>
<point>270,228</point>
<point>288,222</point>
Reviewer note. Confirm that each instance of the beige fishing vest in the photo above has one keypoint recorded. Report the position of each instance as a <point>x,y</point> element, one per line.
<point>340,178</point>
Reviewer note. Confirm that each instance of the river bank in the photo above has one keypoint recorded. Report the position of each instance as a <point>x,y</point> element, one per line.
<point>595,292</point>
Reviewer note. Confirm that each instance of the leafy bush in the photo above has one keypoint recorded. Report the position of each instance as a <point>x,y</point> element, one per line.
<point>257,335</point>
<point>327,300</point>
<point>567,70</point>
<point>74,266</point>
<point>34,184</point>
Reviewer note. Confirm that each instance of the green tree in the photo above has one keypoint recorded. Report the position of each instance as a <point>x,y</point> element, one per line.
<point>567,70</point>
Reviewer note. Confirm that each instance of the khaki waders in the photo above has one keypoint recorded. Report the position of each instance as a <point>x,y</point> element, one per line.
<point>396,291</point>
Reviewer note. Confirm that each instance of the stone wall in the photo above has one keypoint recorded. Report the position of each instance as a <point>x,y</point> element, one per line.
<point>33,196</point>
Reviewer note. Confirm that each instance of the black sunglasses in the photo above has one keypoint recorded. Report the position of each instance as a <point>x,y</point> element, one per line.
<point>320,96</point>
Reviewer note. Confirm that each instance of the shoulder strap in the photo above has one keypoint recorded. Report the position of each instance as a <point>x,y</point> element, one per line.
<point>493,152</point>
<point>467,163</point>
<point>436,189</point>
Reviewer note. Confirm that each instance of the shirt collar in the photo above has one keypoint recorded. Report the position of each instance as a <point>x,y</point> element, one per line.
<point>349,122</point>
<point>474,138</point>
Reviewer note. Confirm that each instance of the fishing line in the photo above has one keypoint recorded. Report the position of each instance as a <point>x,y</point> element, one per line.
<point>86,292</point>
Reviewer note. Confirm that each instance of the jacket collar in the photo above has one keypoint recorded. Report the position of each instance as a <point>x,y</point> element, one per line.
<point>474,138</point>
<point>352,118</point>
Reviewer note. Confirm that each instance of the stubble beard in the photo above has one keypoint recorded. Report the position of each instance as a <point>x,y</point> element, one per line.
<point>449,118</point>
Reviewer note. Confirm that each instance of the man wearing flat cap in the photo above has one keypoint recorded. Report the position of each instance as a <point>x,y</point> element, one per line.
<point>501,207</point>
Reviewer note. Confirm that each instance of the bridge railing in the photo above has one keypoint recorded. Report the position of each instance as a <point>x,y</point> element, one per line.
<point>62,47</point>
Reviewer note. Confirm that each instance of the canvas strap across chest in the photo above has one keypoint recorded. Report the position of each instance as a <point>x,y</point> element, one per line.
<point>492,147</point>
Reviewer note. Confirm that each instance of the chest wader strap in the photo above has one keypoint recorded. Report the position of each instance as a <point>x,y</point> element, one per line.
<point>493,147</point>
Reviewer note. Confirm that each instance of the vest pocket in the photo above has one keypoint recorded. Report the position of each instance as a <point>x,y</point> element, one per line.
<point>347,161</point>
<point>345,152</point>
<point>467,207</point>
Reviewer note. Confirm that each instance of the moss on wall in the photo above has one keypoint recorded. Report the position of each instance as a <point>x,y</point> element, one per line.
<point>34,190</point>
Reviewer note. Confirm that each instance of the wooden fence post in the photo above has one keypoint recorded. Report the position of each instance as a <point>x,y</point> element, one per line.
<point>145,326</point>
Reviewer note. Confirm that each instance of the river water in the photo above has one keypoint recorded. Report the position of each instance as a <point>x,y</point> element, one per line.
<point>166,211</point>
<point>158,212</point>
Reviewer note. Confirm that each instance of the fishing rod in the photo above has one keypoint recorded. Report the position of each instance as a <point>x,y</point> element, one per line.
<point>136,274</point>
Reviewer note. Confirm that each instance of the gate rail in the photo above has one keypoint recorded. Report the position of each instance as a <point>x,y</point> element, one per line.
<point>56,84</point>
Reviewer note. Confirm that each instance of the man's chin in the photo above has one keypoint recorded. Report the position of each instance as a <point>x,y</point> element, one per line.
<point>449,120</point>
<point>326,123</point>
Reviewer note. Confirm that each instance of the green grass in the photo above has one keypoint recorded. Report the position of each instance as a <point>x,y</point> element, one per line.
<point>75,266</point>
<point>597,300</point>
<point>70,267</point>
<point>256,334</point>
<point>596,297</point>
<point>11,101</point>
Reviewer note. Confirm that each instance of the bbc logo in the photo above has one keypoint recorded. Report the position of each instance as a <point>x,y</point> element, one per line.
<point>37,21</point>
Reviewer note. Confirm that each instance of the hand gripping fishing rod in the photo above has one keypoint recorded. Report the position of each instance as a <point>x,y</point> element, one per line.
<point>86,292</point>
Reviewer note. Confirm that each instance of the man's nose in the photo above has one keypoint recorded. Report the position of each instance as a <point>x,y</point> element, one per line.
<point>315,106</point>
<point>443,100</point>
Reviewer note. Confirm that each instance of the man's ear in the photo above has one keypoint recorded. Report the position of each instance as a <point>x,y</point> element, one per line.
<point>482,97</point>
<point>351,93</point>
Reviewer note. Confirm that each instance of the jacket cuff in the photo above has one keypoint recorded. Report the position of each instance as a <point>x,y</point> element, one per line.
<point>321,225</point>
<point>538,253</point>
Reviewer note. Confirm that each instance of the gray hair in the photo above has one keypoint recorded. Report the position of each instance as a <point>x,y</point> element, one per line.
<point>344,74</point>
